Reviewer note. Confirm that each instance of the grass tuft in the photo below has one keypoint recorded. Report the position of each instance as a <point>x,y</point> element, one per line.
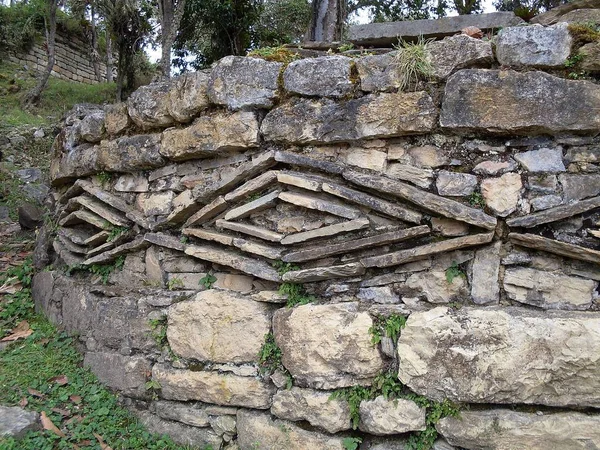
<point>413,63</point>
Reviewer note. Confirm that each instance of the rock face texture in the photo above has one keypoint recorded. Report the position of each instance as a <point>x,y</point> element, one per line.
<point>294,255</point>
<point>498,355</point>
<point>15,422</point>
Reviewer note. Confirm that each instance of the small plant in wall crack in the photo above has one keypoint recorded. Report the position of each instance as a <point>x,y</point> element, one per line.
<point>208,280</point>
<point>454,271</point>
<point>477,200</point>
<point>295,292</point>
<point>103,271</point>
<point>387,326</point>
<point>115,232</point>
<point>351,443</point>
<point>435,411</point>
<point>153,387</point>
<point>413,63</point>
<point>159,331</point>
<point>174,284</point>
<point>270,359</point>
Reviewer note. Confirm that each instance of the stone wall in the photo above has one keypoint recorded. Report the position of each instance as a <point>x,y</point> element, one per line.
<point>72,62</point>
<point>305,212</point>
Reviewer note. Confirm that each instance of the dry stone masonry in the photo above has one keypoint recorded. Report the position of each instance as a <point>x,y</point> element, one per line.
<point>271,256</point>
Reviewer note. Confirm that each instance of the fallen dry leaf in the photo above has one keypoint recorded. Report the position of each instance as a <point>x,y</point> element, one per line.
<point>48,425</point>
<point>11,286</point>
<point>62,412</point>
<point>24,402</point>
<point>75,399</point>
<point>103,444</point>
<point>76,418</point>
<point>61,380</point>
<point>35,393</point>
<point>21,331</point>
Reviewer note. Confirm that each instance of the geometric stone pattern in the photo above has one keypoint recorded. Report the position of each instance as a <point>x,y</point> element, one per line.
<point>469,205</point>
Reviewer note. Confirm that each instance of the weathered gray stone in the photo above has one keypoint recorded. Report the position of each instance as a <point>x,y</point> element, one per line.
<point>584,154</point>
<point>373,116</point>
<point>455,184</point>
<point>152,204</point>
<point>542,160</point>
<point>506,429</point>
<point>79,161</point>
<point>378,73</point>
<point>130,154</point>
<point>251,230</point>
<point>331,230</point>
<point>502,194</point>
<point>203,328</point>
<point>436,288</point>
<point>449,227</point>
<point>556,247</point>
<point>557,14</point>
<point>484,275</point>
<point>591,57</point>
<point>534,46</point>
<point>494,167</point>
<point>383,294</point>
<point>325,76</point>
<point>458,52</point>
<point>131,183</point>
<point>148,106</point>
<point>428,156</point>
<point>184,413</point>
<point>545,202</point>
<point>324,273</point>
<point>242,82</point>
<point>258,430</point>
<point>579,186</point>
<point>554,214</point>
<point>318,203</point>
<point>16,422</point>
<point>548,290</point>
<point>252,207</point>
<point>316,407</point>
<point>494,101</point>
<point>116,118</point>
<point>212,387</point>
<point>181,434</point>
<point>188,96</point>
<point>382,417</point>
<point>210,135</point>
<point>349,358</point>
<point>386,34</point>
<point>415,175</point>
<point>502,355</point>
<point>92,127</point>
<point>126,374</point>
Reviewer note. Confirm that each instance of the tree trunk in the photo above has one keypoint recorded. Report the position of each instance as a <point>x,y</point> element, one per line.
<point>33,97</point>
<point>109,58</point>
<point>171,13</point>
<point>327,21</point>
<point>95,56</point>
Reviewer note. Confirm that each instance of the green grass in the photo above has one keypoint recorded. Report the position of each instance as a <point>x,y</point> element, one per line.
<point>59,97</point>
<point>28,370</point>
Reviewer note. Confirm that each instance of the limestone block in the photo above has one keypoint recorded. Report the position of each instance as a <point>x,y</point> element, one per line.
<point>185,280</point>
<point>591,57</point>
<point>331,415</point>
<point>502,355</point>
<point>154,204</point>
<point>455,184</point>
<point>131,153</point>
<point>181,434</point>
<point>534,46</point>
<point>579,186</point>
<point>502,194</point>
<point>127,374</point>
<point>548,290</point>
<point>212,387</point>
<point>211,135</point>
<point>307,121</point>
<point>511,102</point>
<point>92,127</point>
<point>181,412</point>
<point>415,175</point>
<point>131,183</point>
<point>542,160</point>
<point>494,167</point>
<point>349,357</point>
<point>188,96</point>
<point>16,422</point>
<point>428,156</point>
<point>436,288</point>
<point>259,430</point>
<point>484,275</point>
<point>325,76</point>
<point>148,106</point>
<point>378,73</point>
<point>242,82</point>
<point>458,52</point>
<point>80,161</point>
<point>219,326</point>
<point>116,118</point>
<point>382,417</point>
<point>506,429</point>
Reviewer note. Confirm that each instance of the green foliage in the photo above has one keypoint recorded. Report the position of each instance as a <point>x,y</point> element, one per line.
<point>281,22</point>
<point>397,10</point>
<point>296,294</point>
<point>104,271</point>
<point>20,25</point>
<point>476,199</point>
<point>413,63</point>
<point>37,361</point>
<point>387,326</point>
<point>527,9</point>
<point>269,359</point>
<point>283,267</point>
<point>435,411</point>
<point>115,232</point>
<point>159,331</point>
<point>174,284</point>
<point>104,177</point>
<point>208,280</point>
<point>346,47</point>
<point>351,443</point>
<point>454,271</point>
<point>353,395</point>
<point>278,54</point>
<point>584,33</point>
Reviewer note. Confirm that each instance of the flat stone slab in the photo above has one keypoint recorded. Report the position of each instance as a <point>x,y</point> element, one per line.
<point>15,422</point>
<point>509,102</point>
<point>252,207</point>
<point>331,230</point>
<point>383,417</point>
<point>325,76</point>
<point>320,204</point>
<point>251,230</point>
<point>506,429</point>
<point>324,273</point>
<point>202,328</point>
<point>556,247</point>
<point>349,357</point>
<point>503,355</point>
<point>387,34</point>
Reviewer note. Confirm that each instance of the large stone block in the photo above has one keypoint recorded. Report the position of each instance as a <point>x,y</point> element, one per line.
<point>188,96</point>
<point>316,407</point>
<point>92,127</point>
<point>509,355</point>
<point>148,106</point>
<point>506,429</point>
<point>378,73</point>
<point>326,76</point>
<point>258,430</point>
<point>241,82</point>
<point>534,46</point>
<point>458,52</point>
<point>327,356</point>
<point>190,437</point>
<point>373,116</point>
<point>508,102</point>
<point>211,135</point>
<point>79,161</point>
<point>131,153</point>
<point>382,417</point>
<point>116,118</point>
<point>126,374</point>
<point>218,326</point>
<point>16,422</point>
<point>212,387</point>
